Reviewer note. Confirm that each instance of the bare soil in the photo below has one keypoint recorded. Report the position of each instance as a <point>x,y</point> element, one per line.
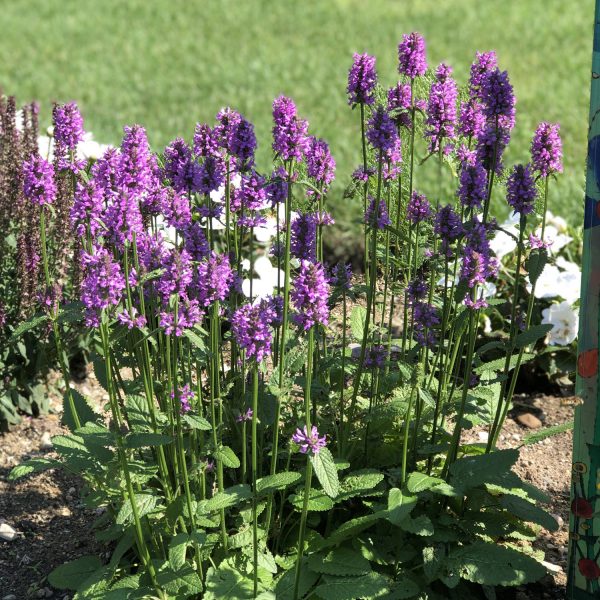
<point>55,527</point>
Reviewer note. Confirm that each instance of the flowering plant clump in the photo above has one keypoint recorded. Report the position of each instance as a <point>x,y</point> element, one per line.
<point>246,451</point>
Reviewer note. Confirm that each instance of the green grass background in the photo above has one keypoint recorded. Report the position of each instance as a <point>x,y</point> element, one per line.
<point>169,63</point>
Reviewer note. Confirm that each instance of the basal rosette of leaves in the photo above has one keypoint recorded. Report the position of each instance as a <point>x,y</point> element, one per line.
<point>245,450</point>
<point>31,321</point>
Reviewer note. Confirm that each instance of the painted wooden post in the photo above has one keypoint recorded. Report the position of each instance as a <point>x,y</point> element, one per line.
<point>584,527</point>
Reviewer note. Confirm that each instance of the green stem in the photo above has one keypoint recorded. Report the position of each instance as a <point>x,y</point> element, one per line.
<point>254,477</point>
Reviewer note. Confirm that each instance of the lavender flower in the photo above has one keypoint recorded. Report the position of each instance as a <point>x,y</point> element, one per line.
<point>473,185</point>
<point>289,132</point>
<point>251,328</point>
<point>176,276</point>
<point>176,209</point>
<point>546,149</point>
<point>195,242</point>
<point>375,357</point>
<point>320,165</point>
<point>491,144</point>
<point>214,278</point>
<point>187,315</point>
<point>362,79</point>
<point>310,294</point>
<point>250,195</point>
<point>102,285</point>
<point>277,188</point>
<point>227,122</point>
<point>448,226</point>
<point>206,142</point>
<point>341,276</point>
<point>472,119</point>
<point>484,62</point>
<point>381,132</point>
<point>136,168</point>
<point>185,396</point>
<point>416,290</point>
<point>426,318</point>
<point>309,442</point>
<point>246,416</point>
<point>498,98</point>
<point>242,144</point>
<point>180,169</point>
<point>380,220</point>
<point>303,240</point>
<point>68,125</point>
<point>131,318</point>
<point>418,208</point>
<point>441,109</point>
<point>212,175</point>
<point>39,186</point>
<point>520,190</point>
<point>411,55</point>
<point>87,208</point>
<point>399,102</point>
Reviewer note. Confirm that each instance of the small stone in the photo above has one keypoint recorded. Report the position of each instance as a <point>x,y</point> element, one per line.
<point>558,519</point>
<point>105,397</point>
<point>46,441</point>
<point>516,437</point>
<point>72,491</point>
<point>551,567</point>
<point>64,511</point>
<point>7,533</point>
<point>9,597</point>
<point>529,420</point>
<point>483,436</point>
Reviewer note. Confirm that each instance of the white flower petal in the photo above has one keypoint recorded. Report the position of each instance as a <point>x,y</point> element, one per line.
<point>565,323</point>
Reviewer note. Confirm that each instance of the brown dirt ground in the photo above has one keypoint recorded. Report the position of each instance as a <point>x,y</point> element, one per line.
<point>55,527</point>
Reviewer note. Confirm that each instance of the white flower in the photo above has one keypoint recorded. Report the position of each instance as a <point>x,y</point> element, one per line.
<point>565,323</point>
<point>87,149</point>
<point>557,222</point>
<point>553,282</point>
<point>556,240</point>
<point>502,243</point>
<point>219,194</point>
<point>267,278</point>
<point>267,231</point>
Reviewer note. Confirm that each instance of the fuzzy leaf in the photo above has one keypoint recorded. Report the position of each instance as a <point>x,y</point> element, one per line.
<point>350,529</point>
<point>284,588</point>
<point>145,504</point>
<point>419,482</point>
<point>195,339</point>
<point>141,440</point>
<point>227,456</point>
<point>279,481</point>
<point>70,575</point>
<point>542,434</point>
<point>137,412</point>
<point>359,483</point>
<point>26,326</point>
<point>317,501</point>
<point>371,585</point>
<point>401,589</point>
<point>357,322</point>
<point>399,506</point>
<point>177,548</point>
<point>226,583</point>
<point>34,465</point>
<point>490,564</point>
<point>326,473</point>
<point>82,408</point>
<point>471,471</point>
<point>183,582</point>
<point>523,509</point>
<point>341,562</point>
<point>197,422</point>
<point>535,263</point>
<point>227,498</point>
<point>532,335</point>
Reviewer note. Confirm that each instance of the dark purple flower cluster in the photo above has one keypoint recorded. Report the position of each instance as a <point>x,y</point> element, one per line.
<point>520,190</point>
<point>484,62</point>
<point>212,175</point>
<point>380,220</point>
<point>103,283</point>
<point>418,208</point>
<point>362,79</point>
<point>86,211</point>
<point>441,109</point>
<point>411,55</point>
<point>341,276</point>
<point>309,442</point>
<point>39,186</point>
<point>251,327</point>
<point>426,318</point>
<point>546,149</point>
<point>399,103</point>
<point>498,98</point>
<point>375,357</point>
<point>243,144</point>
<point>416,290</point>
<point>472,190</point>
<point>472,119</point>
<point>448,226</point>
<point>215,278</point>
<point>382,133</point>
<point>310,294</point>
<point>289,132</point>
<point>304,235</point>
<point>68,125</point>
<point>320,165</point>
<point>180,168</point>
<point>206,142</point>
<point>250,195</point>
<point>186,395</point>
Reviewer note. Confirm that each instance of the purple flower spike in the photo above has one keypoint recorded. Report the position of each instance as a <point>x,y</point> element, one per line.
<point>546,149</point>
<point>215,278</point>
<point>242,144</point>
<point>304,235</point>
<point>375,357</point>
<point>382,133</point>
<point>185,396</point>
<point>411,55</point>
<point>472,119</point>
<point>251,327</point>
<point>310,295</point>
<point>320,165</point>
<point>362,79</point>
<point>418,208</point>
<point>341,276</point>
<point>426,318</point>
<point>39,186</point>
<point>68,125</point>
<point>182,171</point>
<point>448,226</point>
<point>289,132</point>
<point>473,185</point>
<point>399,102</point>
<point>498,98</point>
<point>441,109</point>
<point>247,416</point>
<point>380,220</point>
<point>309,442</point>
<point>206,141</point>
<point>484,62</point>
<point>520,190</point>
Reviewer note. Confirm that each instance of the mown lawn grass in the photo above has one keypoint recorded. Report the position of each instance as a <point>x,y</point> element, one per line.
<point>169,63</point>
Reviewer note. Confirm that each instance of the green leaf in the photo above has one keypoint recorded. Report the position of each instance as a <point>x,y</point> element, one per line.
<point>523,509</point>
<point>494,366</point>
<point>284,588</point>
<point>70,575</point>
<point>26,326</point>
<point>433,561</point>
<point>183,583</point>
<point>279,481</point>
<point>532,335</point>
<point>100,371</point>
<point>371,585</point>
<point>357,322</point>
<point>82,408</point>
<point>419,482</point>
<point>227,498</point>
<point>471,471</point>
<point>420,525</point>
<point>326,473</point>
<point>227,456</point>
<point>34,465</point>
<point>317,501</point>
<point>401,589</point>
<point>535,263</point>
<point>490,564</point>
<point>194,338</point>
<point>141,440</point>
<point>177,549</point>
<point>145,504</point>
<point>359,483</point>
<point>341,562</point>
<point>349,529</point>
<point>542,434</point>
<point>138,413</point>
<point>399,506</point>
<point>226,583</point>
<point>197,422</point>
